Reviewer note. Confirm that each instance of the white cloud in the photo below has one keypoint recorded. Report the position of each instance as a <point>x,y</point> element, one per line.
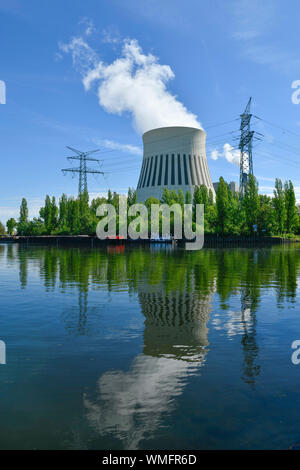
<point>89,25</point>
<point>110,36</point>
<point>111,144</point>
<point>232,155</point>
<point>134,83</point>
<point>215,154</point>
<point>83,56</point>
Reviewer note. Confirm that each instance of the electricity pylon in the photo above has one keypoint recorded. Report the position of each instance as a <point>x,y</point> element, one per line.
<point>245,146</point>
<point>83,170</point>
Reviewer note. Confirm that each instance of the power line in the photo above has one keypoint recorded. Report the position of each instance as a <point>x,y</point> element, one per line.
<point>221,123</point>
<point>278,127</point>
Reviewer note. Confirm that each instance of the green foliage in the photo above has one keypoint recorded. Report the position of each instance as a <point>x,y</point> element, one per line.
<point>279,206</point>
<point>131,197</point>
<point>11,224</point>
<point>188,198</point>
<point>292,219</point>
<point>222,206</point>
<point>2,229</point>
<point>180,197</point>
<point>266,216</point>
<point>236,217</point>
<point>23,218</point>
<point>63,215</point>
<point>251,204</point>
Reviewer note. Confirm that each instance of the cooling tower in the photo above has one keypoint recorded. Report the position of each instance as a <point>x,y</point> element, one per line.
<point>174,158</point>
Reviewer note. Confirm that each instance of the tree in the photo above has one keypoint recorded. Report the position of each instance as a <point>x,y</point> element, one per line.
<point>165,198</point>
<point>210,197</point>
<point>197,196</point>
<point>36,227</point>
<point>45,214</point>
<point>63,214</point>
<point>236,214</point>
<point>201,196</point>
<point>2,229</point>
<point>11,225</point>
<point>131,197</point>
<point>279,206</point>
<point>265,219</point>
<point>251,204</point>
<point>109,197</point>
<point>74,215</point>
<point>222,205</point>
<point>181,198</point>
<point>54,215</point>
<point>292,219</point>
<point>188,198</point>
<point>23,219</point>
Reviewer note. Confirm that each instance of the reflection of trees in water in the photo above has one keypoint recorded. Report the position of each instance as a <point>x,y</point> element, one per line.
<point>249,344</point>
<point>228,268</point>
<point>2,250</point>
<point>250,293</point>
<point>23,267</point>
<point>75,318</point>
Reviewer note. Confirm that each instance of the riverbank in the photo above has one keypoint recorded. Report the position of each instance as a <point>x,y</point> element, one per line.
<point>209,240</point>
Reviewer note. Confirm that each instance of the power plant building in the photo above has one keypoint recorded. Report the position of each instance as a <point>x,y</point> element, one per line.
<point>174,158</point>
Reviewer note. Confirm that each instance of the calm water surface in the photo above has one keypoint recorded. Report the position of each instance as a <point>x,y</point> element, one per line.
<point>149,348</point>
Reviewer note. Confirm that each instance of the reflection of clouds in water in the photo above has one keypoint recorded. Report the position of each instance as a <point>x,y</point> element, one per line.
<point>131,404</point>
<point>233,323</point>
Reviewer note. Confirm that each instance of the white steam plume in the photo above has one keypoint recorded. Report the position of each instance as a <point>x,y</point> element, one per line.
<point>232,155</point>
<point>134,83</point>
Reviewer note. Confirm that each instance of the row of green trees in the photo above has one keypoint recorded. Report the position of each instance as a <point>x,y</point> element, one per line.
<point>254,213</point>
<point>227,214</point>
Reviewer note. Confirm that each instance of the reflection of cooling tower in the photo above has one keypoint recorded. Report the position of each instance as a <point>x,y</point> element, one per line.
<point>174,158</point>
<point>131,404</point>
<point>175,324</point>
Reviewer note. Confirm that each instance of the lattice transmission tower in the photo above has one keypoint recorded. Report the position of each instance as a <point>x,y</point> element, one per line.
<point>83,170</point>
<point>245,146</point>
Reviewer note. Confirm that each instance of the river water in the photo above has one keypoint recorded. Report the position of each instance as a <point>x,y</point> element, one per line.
<point>149,348</point>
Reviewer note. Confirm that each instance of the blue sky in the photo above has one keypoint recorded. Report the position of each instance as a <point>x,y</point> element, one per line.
<point>96,74</point>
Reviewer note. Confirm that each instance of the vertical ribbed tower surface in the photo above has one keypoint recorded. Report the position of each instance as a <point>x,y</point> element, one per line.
<point>174,158</point>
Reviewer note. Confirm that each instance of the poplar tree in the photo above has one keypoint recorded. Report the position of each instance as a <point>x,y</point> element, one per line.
<point>85,214</point>
<point>63,213</point>
<point>74,215</point>
<point>279,206</point>
<point>222,205</point>
<point>251,203</point>
<point>54,215</point>
<point>292,219</point>
<point>23,219</point>
<point>45,213</point>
